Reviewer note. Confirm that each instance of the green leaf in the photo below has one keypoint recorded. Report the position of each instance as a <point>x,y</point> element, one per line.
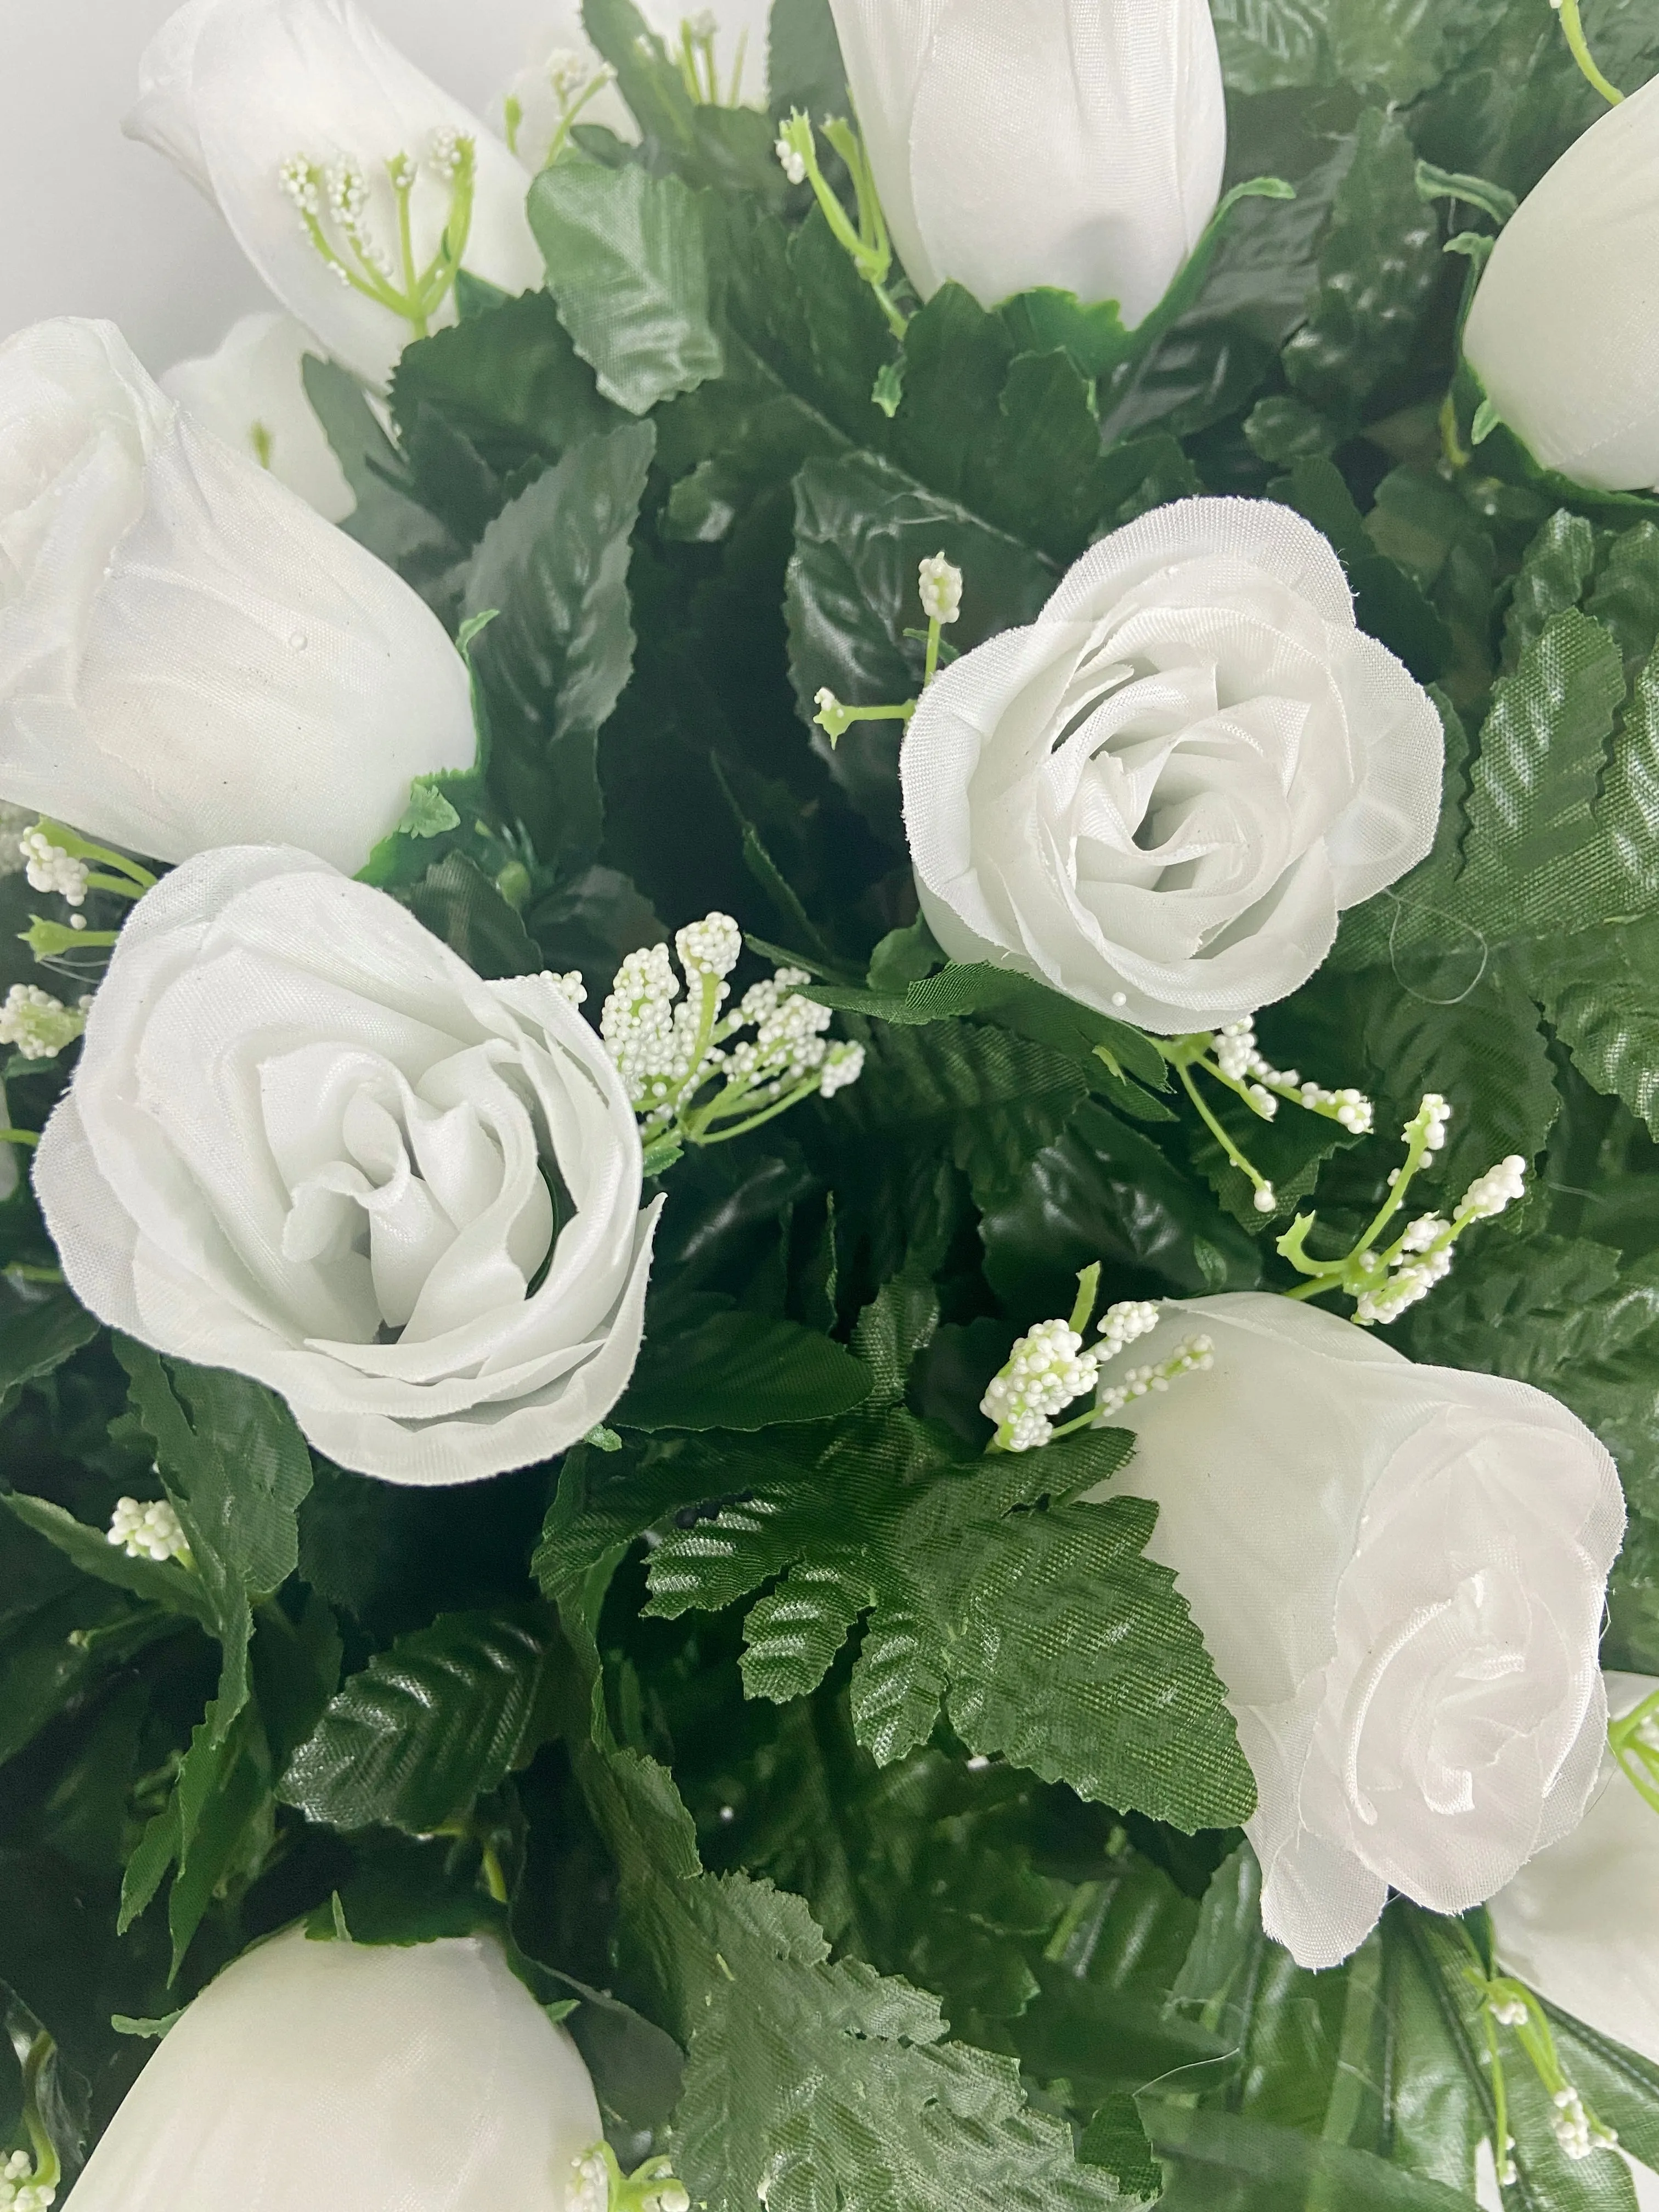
<point>428,1726</point>
<point>1038,1624</point>
<point>553,665</point>
<point>1387,602</point>
<point>1555,574</point>
<point>628,261</point>
<point>40,1327</point>
<point>457,901</point>
<point>390,517</point>
<point>1270,46</point>
<point>1379,267</point>
<point>734,1370</point>
<point>237,1471</point>
<point>158,1582</point>
<point>508,382</point>
<point>1220,2157</point>
<point>217,1820</point>
<point>805,66</point>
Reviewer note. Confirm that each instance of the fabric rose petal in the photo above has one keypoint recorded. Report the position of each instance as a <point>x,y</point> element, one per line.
<point>1075,143</point>
<point>1399,1573</point>
<point>188,655</point>
<point>406,1198</point>
<point>336,2073</point>
<point>1580,1924</point>
<point>1565,324</point>
<point>1160,796</point>
<point>251,394</point>
<point>236,91</point>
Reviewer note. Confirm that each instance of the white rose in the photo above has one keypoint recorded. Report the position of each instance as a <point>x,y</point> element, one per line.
<point>333,2072</point>
<point>236,91</point>
<point>305,1141</point>
<point>1399,1573</point>
<point>1564,326</point>
<point>1022,143</point>
<point>1160,797</point>
<point>1580,1924</point>
<point>251,394</point>
<point>188,655</point>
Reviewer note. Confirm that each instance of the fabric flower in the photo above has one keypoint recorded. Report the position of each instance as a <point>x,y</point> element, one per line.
<point>1022,143</point>
<point>1565,326</point>
<point>1399,1573</point>
<point>306,127</point>
<point>188,655</point>
<point>305,1141</point>
<point>352,2073</point>
<point>251,394</point>
<point>1580,1924</point>
<point>1160,796</point>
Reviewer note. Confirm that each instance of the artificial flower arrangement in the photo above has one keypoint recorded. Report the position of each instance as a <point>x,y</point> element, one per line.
<point>829,1345</point>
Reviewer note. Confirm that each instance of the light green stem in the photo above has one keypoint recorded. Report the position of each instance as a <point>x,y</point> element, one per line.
<point>1573,26</point>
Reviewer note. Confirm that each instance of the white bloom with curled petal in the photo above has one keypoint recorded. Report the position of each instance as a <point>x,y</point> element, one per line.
<point>1077,143</point>
<point>1580,1924</point>
<point>406,1198</point>
<point>1399,1573</point>
<point>251,394</point>
<point>377,2076</point>
<point>233,90</point>
<point>1160,796</point>
<point>190,656</point>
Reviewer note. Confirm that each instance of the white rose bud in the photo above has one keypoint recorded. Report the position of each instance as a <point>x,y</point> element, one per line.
<point>337,2073</point>
<point>1078,143</point>
<point>1580,1925</point>
<point>1161,796</point>
<point>251,394</point>
<point>235,91</point>
<point>188,655</point>
<point>1565,324</point>
<point>406,1198</point>
<point>1399,1573</point>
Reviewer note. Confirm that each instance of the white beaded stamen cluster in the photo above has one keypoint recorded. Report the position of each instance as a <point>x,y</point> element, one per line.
<point>1574,2130</point>
<point>1425,1257</point>
<point>49,868</point>
<point>571,987</point>
<point>588,2189</point>
<point>39,1026</point>
<point>941,589</point>
<point>1240,1061</point>
<point>147,1531</point>
<point>19,2190</point>
<point>1510,2012</point>
<point>1046,1372</point>
<point>1123,1325</point>
<point>667,1046</point>
<point>1194,1357</point>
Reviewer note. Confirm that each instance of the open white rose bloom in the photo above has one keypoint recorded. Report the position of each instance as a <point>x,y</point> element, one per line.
<point>1580,1924</point>
<point>382,2078</point>
<point>251,393</point>
<point>1160,796</point>
<point>288,114</point>
<point>406,1198</point>
<point>1023,143</point>
<point>1399,1571</point>
<point>188,655</point>
<point>1565,329</point>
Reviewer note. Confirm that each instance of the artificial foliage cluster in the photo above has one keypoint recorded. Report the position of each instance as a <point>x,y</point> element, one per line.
<point>870,1803</point>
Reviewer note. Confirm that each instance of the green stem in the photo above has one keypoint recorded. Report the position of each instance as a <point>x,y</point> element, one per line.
<point>48,2171</point>
<point>1572,25</point>
<point>1640,1765</point>
<point>26,1137</point>
<point>802,1091</point>
<point>1258,1181</point>
<point>935,633</point>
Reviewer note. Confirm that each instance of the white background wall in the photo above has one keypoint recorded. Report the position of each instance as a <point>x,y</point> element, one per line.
<point>91,224</point>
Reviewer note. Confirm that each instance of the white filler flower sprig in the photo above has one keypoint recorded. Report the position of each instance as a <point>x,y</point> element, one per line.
<point>1231,1057</point>
<point>1049,1370</point>
<point>692,1082</point>
<point>1385,1278</point>
<point>939,583</point>
<point>1507,2004</point>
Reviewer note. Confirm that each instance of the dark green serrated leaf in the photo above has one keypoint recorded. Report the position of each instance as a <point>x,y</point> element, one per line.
<point>508,380</point>
<point>628,261</point>
<point>159,1582</point>
<point>427,1728</point>
<point>734,1370</point>
<point>553,664</point>
<point>457,901</point>
<point>40,1327</point>
<point>390,517</point>
<point>1387,602</point>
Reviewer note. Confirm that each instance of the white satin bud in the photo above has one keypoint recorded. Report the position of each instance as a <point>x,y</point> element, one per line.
<point>190,656</point>
<point>235,91</point>
<point>334,2073</point>
<point>1580,1925</point>
<point>251,394</point>
<point>1160,797</point>
<point>1565,329</point>
<point>1076,143</point>
<point>1399,1573</point>
<point>406,1198</point>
